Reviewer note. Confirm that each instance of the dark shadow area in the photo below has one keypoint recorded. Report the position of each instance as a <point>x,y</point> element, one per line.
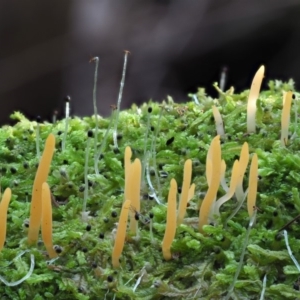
<point>175,48</point>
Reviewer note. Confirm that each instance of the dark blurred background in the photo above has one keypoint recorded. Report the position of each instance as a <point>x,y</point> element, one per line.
<point>176,46</point>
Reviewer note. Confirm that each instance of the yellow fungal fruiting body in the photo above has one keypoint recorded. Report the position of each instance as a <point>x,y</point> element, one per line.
<point>219,121</point>
<point>285,117</point>
<point>253,95</point>
<point>171,221</point>
<point>233,183</point>
<point>252,185</point>
<point>40,178</point>
<point>243,163</point>
<point>3,215</point>
<point>127,164</point>
<point>214,185</point>
<point>191,191</point>
<point>121,234</point>
<point>187,176</point>
<point>47,220</point>
<point>134,192</point>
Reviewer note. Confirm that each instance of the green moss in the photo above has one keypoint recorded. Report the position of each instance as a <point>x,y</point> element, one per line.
<point>204,265</point>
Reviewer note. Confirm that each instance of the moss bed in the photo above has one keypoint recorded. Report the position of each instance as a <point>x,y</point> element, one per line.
<point>203,265</point>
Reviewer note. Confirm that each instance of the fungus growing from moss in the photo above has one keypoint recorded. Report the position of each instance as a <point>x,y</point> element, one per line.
<point>121,234</point>
<point>3,215</point>
<point>214,183</point>
<point>285,117</point>
<point>243,162</point>
<point>127,164</point>
<point>134,192</point>
<point>187,176</point>
<point>253,95</point>
<point>251,200</point>
<point>171,221</point>
<point>233,183</point>
<point>47,220</point>
<point>219,121</point>
<point>40,178</point>
<point>191,191</point>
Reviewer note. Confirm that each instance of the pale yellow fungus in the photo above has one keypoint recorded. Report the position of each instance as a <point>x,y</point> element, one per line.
<point>215,182</point>
<point>285,117</point>
<point>171,221</point>
<point>191,191</point>
<point>47,220</point>
<point>223,181</point>
<point>134,192</point>
<point>218,120</point>
<point>36,200</point>
<point>233,183</point>
<point>120,234</point>
<point>3,215</point>
<point>187,176</point>
<point>127,164</point>
<point>208,171</point>
<point>253,178</point>
<point>243,162</point>
<point>253,95</point>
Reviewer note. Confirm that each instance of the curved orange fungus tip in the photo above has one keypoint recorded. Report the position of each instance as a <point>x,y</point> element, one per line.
<point>127,165</point>
<point>134,192</point>
<point>47,220</point>
<point>3,215</point>
<point>171,221</point>
<point>243,162</point>
<point>285,117</point>
<point>187,176</point>
<point>253,95</point>
<point>215,153</point>
<point>121,234</point>
<point>36,200</point>
<point>253,180</point>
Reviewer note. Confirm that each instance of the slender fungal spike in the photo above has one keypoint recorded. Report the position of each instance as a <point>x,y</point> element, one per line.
<point>187,176</point>
<point>208,169</point>
<point>121,234</point>
<point>219,121</point>
<point>47,220</point>
<point>134,192</point>
<point>37,137</point>
<point>223,181</point>
<point>171,221</point>
<point>285,117</point>
<point>127,165</point>
<point>244,159</point>
<point>253,178</point>
<point>253,95</point>
<point>36,200</point>
<point>3,215</point>
<point>191,191</point>
<point>115,133</point>
<point>233,183</point>
<point>215,182</point>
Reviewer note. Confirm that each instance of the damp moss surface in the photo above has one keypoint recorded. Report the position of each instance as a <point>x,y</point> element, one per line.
<point>203,266</point>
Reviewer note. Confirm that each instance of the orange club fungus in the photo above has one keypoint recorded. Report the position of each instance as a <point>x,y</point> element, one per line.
<point>36,200</point>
